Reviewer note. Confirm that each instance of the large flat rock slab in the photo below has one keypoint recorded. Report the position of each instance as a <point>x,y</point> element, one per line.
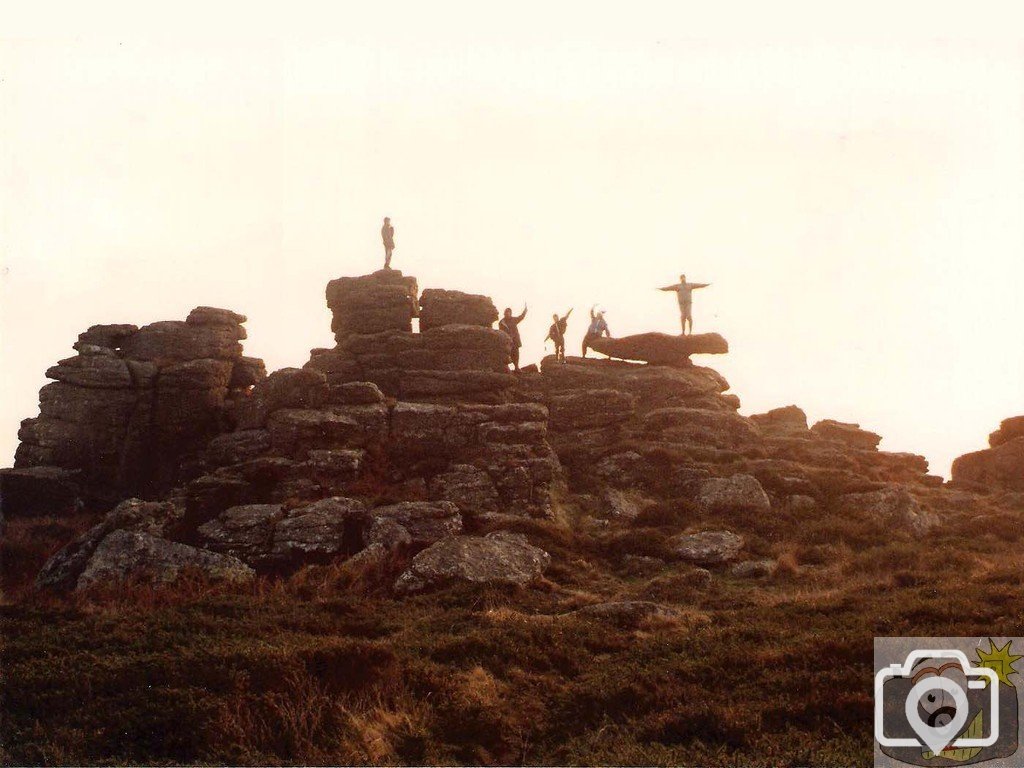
<point>661,348</point>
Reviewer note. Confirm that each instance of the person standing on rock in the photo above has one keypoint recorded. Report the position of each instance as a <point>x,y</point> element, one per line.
<point>557,334</point>
<point>387,233</point>
<point>509,325</point>
<point>684,292</point>
<point>598,328</point>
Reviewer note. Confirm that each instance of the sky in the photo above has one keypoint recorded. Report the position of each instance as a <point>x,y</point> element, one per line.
<point>850,182</point>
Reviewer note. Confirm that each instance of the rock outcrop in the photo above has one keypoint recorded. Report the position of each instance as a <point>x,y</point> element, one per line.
<point>457,357</point>
<point>667,430</point>
<point>708,547</point>
<point>999,467</point>
<point>128,413</point>
<point>497,558</point>
<point>127,556</point>
<point>440,307</point>
<point>63,569</point>
<point>738,492</point>
<point>369,304</point>
<point>894,509</point>
<point>395,442</point>
<point>661,348</point>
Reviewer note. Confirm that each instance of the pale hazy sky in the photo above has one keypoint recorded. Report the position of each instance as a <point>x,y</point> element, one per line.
<point>850,181</point>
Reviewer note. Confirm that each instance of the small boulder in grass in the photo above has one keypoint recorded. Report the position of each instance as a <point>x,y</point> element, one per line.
<point>707,547</point>
<point>497,558</point>
<point>740,492</point>
<point>131,555</point>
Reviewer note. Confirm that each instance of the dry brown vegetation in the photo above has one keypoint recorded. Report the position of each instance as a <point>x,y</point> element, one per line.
<point>326,667</point>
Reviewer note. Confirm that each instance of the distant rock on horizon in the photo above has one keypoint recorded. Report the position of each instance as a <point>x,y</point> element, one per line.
<point>1001,465</point>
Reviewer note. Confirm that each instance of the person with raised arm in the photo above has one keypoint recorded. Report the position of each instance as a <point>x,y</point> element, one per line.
<point>598,328</point>
<point>557,334</point>
<point>684,293</point>
<point>509,325</point>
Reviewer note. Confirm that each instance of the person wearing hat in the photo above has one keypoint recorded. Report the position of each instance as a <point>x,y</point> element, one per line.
<point>598,328</point>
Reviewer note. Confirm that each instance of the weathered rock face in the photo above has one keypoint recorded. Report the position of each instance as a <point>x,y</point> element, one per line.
<point>618,423</point>
<point>382,301</point>
<point>449,363</point>
<point>894,509</point>
<point>739,492</point>
<point>125,555</point>
<point>1000,467</point>
<point>498,558</point>
<point>782,422</point>
<point>482,458</point>
<point>848,434</point>
<point>131,410</point>
<point>429,411</point>
<point>717,429</point>
<point>1009,429</point>
<point>63,569</point>
<point>440,307</point>
<point>794,455</point>
<point>394,442</point>
<point>267,536</point>
<point>661,348</point>
<point>423,521</point>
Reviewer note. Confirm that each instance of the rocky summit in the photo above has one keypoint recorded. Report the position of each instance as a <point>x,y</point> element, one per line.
<point>397,551</point>
<point>276,471</point>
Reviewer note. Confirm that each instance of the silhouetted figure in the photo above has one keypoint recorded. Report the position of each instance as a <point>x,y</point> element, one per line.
<point>387,233</point>
<point>684,292</point>
<point>557,334</point>
<point>598,328</point>
<point>509,324</point>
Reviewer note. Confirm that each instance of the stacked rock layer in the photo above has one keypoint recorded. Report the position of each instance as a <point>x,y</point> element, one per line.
<point>126,413</point>
<point>666,430</point>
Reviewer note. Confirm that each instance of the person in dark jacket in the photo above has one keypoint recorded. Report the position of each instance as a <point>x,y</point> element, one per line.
<point>387,233</point>
<point>598,328</point>
<point>509,325</point>
<point>557,334</point>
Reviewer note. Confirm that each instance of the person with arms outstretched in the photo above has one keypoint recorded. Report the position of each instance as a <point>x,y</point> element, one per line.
<point>684,292</point>
<point>557,334</point>
<point>598,328</point>
<point>509,325</point>
<point>387,233</point>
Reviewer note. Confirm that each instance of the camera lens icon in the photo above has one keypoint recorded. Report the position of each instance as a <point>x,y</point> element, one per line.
<point>936,692</point>
<point>936,709</point>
